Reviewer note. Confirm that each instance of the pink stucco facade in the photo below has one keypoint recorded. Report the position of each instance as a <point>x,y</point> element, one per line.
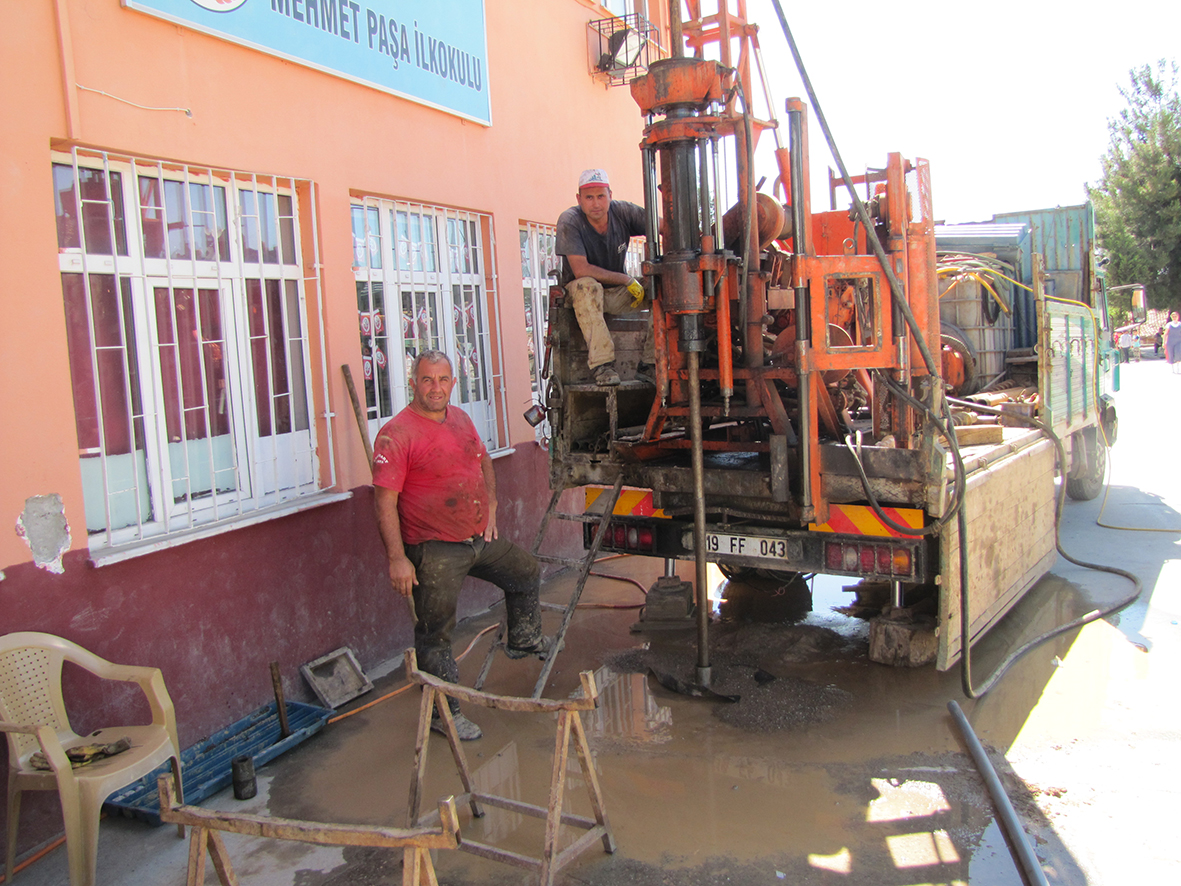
<point>91,76</point>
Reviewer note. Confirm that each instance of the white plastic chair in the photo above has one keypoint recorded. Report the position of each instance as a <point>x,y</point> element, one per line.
<point>33,715</point>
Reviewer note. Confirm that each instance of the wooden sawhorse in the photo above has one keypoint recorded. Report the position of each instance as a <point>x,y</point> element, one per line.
<point>434,696</point>
<point>415,843</point>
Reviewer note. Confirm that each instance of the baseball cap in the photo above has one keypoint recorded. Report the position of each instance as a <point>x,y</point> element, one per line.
<point>593,178</point>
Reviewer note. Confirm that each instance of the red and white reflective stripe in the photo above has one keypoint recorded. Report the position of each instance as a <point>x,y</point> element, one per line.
<point>862,520</point>
<point>631,503</point>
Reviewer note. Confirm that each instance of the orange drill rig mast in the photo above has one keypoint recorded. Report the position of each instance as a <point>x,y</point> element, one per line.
<point>830,299</point>
<point>797,414</point>
<point>776,334</point>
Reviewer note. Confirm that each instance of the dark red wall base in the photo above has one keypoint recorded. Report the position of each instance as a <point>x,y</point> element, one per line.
<point>212,614</point>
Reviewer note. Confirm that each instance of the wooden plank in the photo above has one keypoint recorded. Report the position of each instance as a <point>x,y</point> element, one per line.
<point>556,795</point>
<point>522,808</point>
<point>221,860</point>
<point>579,846</point>
<point>197,842</point>
<point>598,804</point>
<point>205,820</point>
<point>585,702</point>
<point>978,435</point>
<point>485,850</point>
<point>414,807</point>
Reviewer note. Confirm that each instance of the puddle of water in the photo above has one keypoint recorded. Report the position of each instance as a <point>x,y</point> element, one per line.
<point>877,794</point>
<point>991,861</point>
<point>682,786</point>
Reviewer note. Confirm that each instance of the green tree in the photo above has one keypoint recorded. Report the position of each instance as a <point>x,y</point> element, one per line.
<point>1138,198</point>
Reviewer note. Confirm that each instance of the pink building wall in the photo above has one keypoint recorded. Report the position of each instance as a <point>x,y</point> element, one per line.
<point>212,613</point>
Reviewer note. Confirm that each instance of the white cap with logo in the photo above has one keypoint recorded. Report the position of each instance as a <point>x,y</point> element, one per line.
<point>593,178</point>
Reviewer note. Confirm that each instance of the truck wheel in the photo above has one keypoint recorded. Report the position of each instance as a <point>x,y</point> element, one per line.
<point>1089,481</point>
<point>751,574</point>
<point>764,595</point>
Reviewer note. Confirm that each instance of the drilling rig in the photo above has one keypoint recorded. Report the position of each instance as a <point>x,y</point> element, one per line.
<point>797,417</point>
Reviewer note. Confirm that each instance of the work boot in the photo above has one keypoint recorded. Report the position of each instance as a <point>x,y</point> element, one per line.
<point>464,728</point>
<point>543,648</point>
<point>605,376</point>
<point>646,373</point>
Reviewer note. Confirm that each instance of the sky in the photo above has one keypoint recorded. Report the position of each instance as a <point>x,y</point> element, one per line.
<point>1009,101</point>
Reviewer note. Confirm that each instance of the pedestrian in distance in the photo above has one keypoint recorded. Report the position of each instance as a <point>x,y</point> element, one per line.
<point>592,238</point>
<point>435,495</point>
<point>1172,333</point>
<point>1156,344</point>
<point>1125,346</point>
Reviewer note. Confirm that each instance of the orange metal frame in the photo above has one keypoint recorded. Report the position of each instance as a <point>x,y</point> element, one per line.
<point>910,248</point>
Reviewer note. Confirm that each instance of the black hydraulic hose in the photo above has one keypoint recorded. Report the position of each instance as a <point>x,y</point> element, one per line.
<point>957,462</point>
<point>1093,615</point>
<point>1018,841</point>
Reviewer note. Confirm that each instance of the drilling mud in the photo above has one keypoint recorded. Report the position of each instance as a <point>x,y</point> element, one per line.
<point>749,688</point>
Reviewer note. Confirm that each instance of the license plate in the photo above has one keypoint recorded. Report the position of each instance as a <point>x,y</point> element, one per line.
<point>747,546</point>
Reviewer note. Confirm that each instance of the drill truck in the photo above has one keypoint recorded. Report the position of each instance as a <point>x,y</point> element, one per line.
<point>797,418</point>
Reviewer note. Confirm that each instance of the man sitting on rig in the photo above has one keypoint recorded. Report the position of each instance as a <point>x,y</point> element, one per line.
<point>592,239</point>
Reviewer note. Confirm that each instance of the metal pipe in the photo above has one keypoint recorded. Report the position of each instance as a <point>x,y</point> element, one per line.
<point>795,117</point>
<point>752,322</point>
<point>676,34</point>
<point>725,343</point>
<point>703,668</point>
<point>1018,842</point>
<point>651,205</point>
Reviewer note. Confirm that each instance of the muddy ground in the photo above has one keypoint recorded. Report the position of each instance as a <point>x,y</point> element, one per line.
<point>826,768</point>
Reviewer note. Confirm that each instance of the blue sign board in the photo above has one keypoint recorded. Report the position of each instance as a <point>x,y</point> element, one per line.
<point>434,52</point>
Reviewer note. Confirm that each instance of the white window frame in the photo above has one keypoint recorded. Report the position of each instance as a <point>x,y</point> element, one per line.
<point>538,260</point>
<point>621,7</point>
<point>269,471</point>
<point>429,269</point>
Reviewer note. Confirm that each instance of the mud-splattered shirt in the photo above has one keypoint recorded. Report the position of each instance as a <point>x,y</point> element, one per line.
<point>435,469</point>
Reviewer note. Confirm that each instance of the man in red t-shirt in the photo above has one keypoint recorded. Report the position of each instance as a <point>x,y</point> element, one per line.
<point>435,494</point>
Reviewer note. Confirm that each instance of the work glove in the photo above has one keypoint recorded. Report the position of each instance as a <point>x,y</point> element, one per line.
<point>636,290</point>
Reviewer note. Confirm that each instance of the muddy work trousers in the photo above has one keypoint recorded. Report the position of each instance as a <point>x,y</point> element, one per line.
<point>441,567</point>
<point>591,300</point>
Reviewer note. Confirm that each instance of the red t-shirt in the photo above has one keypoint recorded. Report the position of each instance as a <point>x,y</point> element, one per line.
<point>435,469</point>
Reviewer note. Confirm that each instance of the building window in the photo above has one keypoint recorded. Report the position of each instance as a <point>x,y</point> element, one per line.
<point>538,261</point>
<point>188,341</point>
<point>425,280</point>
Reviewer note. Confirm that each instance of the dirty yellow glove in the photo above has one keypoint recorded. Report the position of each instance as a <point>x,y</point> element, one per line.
<point>636,289</point>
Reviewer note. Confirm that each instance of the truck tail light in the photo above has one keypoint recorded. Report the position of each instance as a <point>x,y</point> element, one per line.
<point>625,537</point>
<point>902,563</point>
<point>868,559</point>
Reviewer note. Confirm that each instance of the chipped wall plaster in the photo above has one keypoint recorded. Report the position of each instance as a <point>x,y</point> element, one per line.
<point>44,529</point>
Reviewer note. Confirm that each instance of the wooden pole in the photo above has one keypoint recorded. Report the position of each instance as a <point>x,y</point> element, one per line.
<point>280,700</point>
<point>358,414</point>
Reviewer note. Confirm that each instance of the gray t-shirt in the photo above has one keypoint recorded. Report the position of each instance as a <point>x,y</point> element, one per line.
<point>575,236</point>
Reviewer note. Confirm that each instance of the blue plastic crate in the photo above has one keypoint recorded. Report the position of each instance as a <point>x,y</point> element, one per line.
<point>205,766</point>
